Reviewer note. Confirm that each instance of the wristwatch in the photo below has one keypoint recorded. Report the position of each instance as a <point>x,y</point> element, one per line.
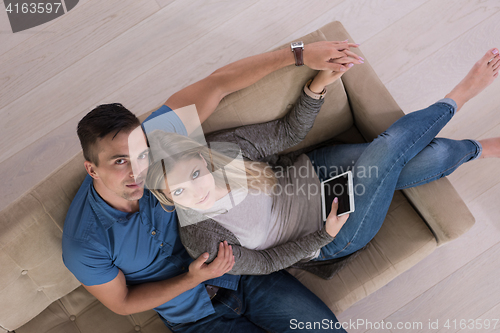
<point>298,52</point>
<point>312,94</point>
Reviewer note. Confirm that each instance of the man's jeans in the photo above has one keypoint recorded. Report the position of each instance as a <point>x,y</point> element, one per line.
<point>407,154</point>
<point>277,302</point>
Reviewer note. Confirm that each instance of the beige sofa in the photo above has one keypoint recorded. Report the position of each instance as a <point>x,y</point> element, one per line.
<point>38,294</point>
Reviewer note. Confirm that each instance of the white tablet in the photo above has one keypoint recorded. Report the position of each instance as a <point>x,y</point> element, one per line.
<point>341,187</point>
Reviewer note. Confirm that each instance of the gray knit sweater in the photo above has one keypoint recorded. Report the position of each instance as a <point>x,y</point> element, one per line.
<point>262,142</point>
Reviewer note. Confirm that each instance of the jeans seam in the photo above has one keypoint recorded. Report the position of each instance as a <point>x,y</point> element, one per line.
<point>479,148</point>
<point>423,180</point>
<point>394,164</point>
<point>264,328</point>
<point>449,106</point>
<point>348,243</point>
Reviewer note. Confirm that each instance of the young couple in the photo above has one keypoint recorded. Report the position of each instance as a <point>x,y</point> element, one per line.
<point>123,243</point>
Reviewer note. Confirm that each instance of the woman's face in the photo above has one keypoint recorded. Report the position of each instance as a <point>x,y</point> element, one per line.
<point>191,185</point>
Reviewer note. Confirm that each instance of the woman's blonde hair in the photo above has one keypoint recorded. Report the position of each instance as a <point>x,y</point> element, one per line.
<point>167,149</point>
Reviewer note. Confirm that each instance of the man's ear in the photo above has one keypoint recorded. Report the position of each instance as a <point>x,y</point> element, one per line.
<point>91,169</point>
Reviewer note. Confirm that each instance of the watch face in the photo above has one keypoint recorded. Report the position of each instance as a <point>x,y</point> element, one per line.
<point>297,44</point>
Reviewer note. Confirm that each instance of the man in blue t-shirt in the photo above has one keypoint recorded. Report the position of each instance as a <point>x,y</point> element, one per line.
<point>125,249</point>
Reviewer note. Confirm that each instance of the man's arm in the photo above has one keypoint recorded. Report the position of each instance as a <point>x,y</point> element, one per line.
<point>208,92</point>
<point>125,300</point>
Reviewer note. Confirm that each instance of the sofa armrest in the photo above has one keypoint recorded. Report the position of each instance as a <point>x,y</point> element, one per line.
<point>372,105</point>
<point>442,208</point>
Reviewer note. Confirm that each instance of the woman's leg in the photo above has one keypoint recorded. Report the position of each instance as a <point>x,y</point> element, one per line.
<point>438,159</point>
<point>391,151</point>
<point>382,160</point>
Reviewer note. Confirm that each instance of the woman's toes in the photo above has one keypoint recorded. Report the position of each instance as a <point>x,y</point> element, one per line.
<point>494,60</point>
<point>488,58</point>
<point>491,53</point>
<point>495,64</point>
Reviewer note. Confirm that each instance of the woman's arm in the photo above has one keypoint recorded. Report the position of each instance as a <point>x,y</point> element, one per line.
<point>205,237</point>
<point>258,141</point>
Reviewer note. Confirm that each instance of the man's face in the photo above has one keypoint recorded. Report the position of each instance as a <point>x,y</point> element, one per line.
<point>123,164</point>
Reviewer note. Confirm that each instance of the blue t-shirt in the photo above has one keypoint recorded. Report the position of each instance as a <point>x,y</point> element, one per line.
<point>98,240</point>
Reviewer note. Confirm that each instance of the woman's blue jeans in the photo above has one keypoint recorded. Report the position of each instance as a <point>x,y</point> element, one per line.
<point>277,302</point>
<point>407,154</point>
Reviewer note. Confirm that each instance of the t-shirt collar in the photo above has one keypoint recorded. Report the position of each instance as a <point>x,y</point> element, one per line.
<point>107,214</point>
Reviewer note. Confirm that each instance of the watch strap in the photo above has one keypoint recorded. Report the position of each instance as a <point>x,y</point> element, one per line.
<point>312,94</point>
<point>298,53</point>
<point>299,56</point>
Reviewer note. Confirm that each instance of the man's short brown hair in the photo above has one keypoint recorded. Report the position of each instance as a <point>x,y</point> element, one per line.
<point>101,121</point>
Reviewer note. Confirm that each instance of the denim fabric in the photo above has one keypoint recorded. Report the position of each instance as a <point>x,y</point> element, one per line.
<point>407,154</point>
<point>277,302</point>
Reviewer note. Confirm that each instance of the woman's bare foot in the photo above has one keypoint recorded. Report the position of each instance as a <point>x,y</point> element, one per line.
<point>482,74</point>
<point>491,147</point>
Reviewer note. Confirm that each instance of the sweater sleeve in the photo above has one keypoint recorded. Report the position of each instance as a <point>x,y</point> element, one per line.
<point>205,237</point>
<point>261,140</point>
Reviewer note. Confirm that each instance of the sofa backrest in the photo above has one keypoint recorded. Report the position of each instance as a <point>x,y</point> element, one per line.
<point>32,274</point>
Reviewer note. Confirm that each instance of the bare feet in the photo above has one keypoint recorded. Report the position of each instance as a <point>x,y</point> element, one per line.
<point>482,74</point>
<point>491,147</point>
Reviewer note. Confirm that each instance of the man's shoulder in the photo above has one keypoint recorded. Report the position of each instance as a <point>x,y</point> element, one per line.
<point>164,119</point>
<point>158,112</point>
<point>80,214</point>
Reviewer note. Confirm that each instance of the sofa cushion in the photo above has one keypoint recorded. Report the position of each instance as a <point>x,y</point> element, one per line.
<point>80,312</point>
<point>33,274</point>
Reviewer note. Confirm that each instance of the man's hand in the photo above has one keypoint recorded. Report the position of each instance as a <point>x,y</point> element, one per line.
<point>333,222</point>
<point>330,55</point>
<point>199,271</point>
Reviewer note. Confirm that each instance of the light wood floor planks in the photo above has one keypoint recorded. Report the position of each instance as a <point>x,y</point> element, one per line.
<point>10,40</point>
<point>113,65</point>
<point>23,69</point>
<point>464,292</point>
<point>358,20</point>
<point>140,52</point>
<point>401,46</point>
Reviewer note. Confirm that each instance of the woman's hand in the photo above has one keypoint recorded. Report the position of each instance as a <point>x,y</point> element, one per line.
<point>199,271</point>
<point>324,78</point>
<point>333,222</point>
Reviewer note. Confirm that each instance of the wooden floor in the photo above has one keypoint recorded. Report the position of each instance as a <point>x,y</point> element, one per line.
<point>138,52</point>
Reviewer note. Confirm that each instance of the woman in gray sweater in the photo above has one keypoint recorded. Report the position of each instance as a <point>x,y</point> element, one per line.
<point>269,211</point>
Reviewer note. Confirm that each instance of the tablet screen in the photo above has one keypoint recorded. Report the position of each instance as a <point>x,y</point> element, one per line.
<point>337,187</point>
